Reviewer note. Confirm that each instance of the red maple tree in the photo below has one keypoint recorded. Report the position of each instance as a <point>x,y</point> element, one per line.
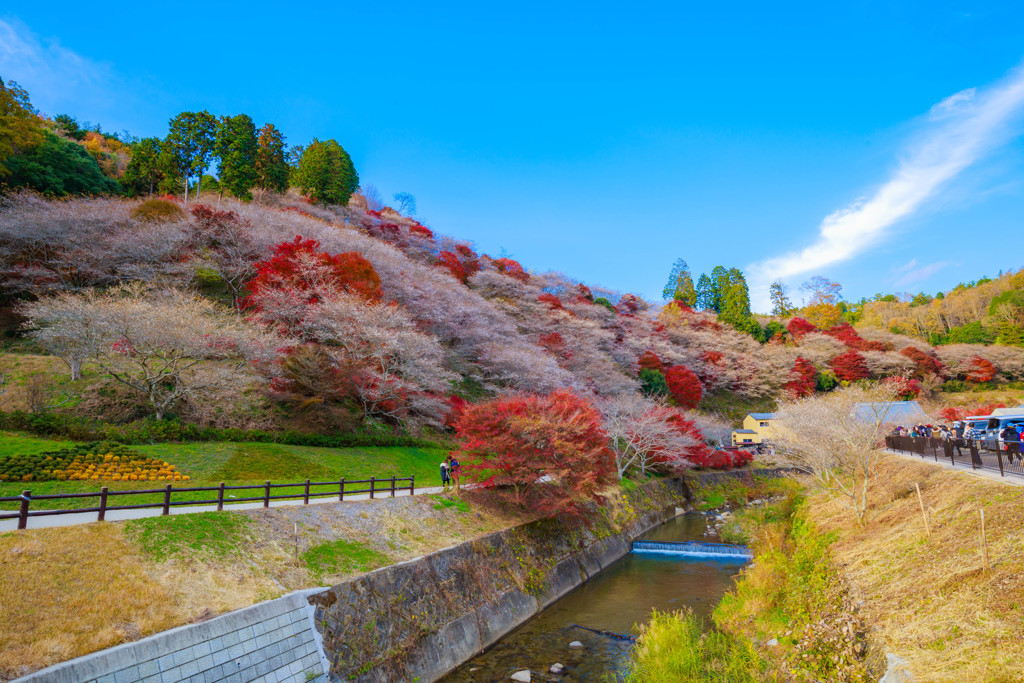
<point>926,363</point>
<point>299,266</point>
<point>684,386</point>
<point>548,453</point>
<point>982,370</point>
<point>798,327</point>
<point>805,378</point>
<point>551,300</point>
<point>649,360</point>
<point>850,366</point>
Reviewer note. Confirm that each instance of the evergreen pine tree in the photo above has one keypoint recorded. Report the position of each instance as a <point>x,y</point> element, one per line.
<point>236,150</point>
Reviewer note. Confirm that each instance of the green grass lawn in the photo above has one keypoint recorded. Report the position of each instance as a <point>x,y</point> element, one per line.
<point>210,463</point>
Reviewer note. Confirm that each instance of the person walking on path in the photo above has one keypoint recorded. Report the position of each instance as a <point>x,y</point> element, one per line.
<point>453,470</point>
<point>446,479</point>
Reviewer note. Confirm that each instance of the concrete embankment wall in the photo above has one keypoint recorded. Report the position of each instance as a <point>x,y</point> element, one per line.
<point>271,641</point>
<point>420,619</point>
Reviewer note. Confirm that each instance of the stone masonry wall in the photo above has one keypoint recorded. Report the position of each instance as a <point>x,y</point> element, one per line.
<point>272,641</point>
<point>420,619</point>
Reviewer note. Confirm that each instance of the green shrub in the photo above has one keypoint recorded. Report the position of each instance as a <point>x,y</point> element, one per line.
<point>78,428</point>
<point>157,210</point>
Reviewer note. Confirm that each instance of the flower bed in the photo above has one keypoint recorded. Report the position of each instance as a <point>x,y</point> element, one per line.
<point>88,462</point>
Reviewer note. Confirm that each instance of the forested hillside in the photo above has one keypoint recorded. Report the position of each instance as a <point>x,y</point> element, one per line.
<point>279,295</point>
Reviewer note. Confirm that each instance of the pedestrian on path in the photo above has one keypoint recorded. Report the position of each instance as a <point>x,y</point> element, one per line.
<point>446,478</point>
<point>453,470</point>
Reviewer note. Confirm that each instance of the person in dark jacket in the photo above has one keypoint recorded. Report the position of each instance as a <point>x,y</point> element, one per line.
<point>1011,438</point>
<point>446,478</point>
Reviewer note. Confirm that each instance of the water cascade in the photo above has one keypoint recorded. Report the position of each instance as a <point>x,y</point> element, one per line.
<point>719,551</point>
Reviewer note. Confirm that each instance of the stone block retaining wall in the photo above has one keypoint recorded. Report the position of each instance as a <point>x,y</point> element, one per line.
<point>420,619</point>
<point>270,642</point>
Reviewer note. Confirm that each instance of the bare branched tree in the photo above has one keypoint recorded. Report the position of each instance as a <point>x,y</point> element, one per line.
<point>641,431</point>
<point>836,436</point>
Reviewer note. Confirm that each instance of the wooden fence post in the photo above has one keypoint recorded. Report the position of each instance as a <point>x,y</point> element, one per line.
<point>305,497</point>
<point>26,498</point>
<point>392,486</point>
<point>341,490</point>
<point>373,485</point>
<point>167,500</point>
<point>412,485</point>
<point>266,496</point>
<point>927,526</point>
<point>103,504</point>
<point>984,541</point>
<point>220,497</point>
<point>999,457</point>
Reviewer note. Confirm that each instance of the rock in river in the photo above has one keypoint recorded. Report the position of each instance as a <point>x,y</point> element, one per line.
<point>522,676</point>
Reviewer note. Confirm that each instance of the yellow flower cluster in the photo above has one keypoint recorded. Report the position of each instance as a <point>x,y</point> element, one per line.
<point>110,467</point>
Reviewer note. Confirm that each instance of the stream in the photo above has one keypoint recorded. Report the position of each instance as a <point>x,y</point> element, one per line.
<point>618,599</point>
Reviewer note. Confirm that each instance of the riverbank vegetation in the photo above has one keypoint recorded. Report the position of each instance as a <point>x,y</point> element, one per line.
<point>826,598</point>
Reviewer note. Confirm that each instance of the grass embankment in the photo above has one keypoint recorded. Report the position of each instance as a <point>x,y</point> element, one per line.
<point>791,594</point>
<point>837,597</point>
<point>70,591</point>
<point>209,463</point>
<point>930,599</point>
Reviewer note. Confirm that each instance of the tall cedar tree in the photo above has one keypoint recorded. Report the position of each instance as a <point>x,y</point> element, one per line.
<point>236,150</point>
<point>804,378</point>
<point>326,173</point>
<point>850,366</point>
<point>680,285</point>
<point>684,386</point>
<point>548,453</point>
<point>144,171</point>
<point>781,303</point>
<point>189,147</point>
<point>271,160</point>
<point>19,125</point>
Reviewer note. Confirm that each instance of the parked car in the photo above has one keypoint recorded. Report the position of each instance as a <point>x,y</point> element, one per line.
<point>995,427</point>
<point>980,424</point>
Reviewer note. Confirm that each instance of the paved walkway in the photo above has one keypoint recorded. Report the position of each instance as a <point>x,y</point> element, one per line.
<point>72,518</point>
<point>1011,478</point>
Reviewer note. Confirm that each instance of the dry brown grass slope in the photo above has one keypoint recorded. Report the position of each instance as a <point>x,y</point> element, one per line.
<point>930,599</point>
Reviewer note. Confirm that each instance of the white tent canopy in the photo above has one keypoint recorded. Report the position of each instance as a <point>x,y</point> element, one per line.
<point>891,412</point>
<point>1019,410</point>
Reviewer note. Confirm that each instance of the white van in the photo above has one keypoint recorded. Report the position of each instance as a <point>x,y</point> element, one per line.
<point>995,426</point>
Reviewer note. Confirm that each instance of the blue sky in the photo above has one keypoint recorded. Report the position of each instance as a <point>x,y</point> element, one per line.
<point>605,140</point>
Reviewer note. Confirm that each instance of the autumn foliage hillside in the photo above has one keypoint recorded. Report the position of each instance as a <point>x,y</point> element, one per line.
<point>332,317</point>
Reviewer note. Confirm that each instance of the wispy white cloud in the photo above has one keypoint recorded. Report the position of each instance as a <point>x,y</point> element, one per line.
<point>957,132</point>
<point>54,76</point>
<point>910,273</point>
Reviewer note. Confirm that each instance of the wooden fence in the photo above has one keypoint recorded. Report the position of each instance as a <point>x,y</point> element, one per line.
<point>104,495</point>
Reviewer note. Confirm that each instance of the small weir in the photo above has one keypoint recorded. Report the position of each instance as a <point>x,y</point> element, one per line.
<point>670,569</point>
<point>719,551</point>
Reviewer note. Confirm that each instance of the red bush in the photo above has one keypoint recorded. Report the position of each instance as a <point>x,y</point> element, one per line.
<point>549,453</point>
<point>926,364</point>
<point>982,370</point>
<point>456,406</point>
<point>849,366</point>
<point>208,217</point>
<point>629,305</point>
<point>421,231</point>
<point>301,266</point>
<point>650,360</point>
<point>583,295</point>
<point>954,413</point>
<point>465,252</point>
<point>798,327</point>
<point>904,387</point>
<point>713,357</point>
<point>551,300</point>
<point>805,378</point>
<point>511,268</point>
<point>451,262</point>
<point>555,344</point>
<point>684,386</point>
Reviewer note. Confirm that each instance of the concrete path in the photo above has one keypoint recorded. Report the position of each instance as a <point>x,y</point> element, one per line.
<point>1011,478</point>
<point>71,519</point>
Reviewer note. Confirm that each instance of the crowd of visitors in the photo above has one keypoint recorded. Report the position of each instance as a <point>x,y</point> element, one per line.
<point>963,434</point>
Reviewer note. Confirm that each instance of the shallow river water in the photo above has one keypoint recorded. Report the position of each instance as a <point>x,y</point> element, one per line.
<point>618,600</point>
